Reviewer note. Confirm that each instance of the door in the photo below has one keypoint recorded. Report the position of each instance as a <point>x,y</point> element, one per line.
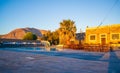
<point>103,41</point>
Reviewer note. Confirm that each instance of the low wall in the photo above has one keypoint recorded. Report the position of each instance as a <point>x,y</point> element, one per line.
<point>19,45</point>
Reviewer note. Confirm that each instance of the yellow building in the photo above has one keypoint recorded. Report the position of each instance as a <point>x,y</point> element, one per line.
<point>103,35</point>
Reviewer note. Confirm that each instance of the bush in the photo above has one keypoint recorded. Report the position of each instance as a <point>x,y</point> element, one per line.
<point>30,36</point>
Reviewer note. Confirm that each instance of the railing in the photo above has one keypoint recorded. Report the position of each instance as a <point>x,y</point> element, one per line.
<point>97,48</point>
<point>74,46</point>
<point>92,48</point>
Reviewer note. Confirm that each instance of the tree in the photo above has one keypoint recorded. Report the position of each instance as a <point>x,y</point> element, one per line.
<point>34,37</point>
<point>52,37</point>
<point>63,35</point>
<point>66,31</point>
<point>55,37</point>
<point>30,36</point>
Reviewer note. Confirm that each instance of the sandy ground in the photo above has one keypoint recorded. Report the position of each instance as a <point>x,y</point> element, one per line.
<point>63,62</point>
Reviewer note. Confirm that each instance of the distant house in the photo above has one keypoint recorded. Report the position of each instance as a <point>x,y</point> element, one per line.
<point>103,35</point>
<point>80,37</point>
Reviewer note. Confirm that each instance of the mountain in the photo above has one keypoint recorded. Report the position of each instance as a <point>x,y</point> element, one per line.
<point>20,32</point>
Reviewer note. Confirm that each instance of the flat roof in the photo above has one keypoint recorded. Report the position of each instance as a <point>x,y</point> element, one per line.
<point>95,27</point>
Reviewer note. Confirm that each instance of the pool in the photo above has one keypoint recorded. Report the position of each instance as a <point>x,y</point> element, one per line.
<point>30,49</point>
<point>58,52</point>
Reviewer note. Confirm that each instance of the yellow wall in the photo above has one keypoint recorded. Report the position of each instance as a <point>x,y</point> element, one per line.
<point>102,30</point>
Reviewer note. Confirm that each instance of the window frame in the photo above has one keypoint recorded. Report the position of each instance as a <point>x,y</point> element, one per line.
<point>115,38</point>
<point>92,35</point>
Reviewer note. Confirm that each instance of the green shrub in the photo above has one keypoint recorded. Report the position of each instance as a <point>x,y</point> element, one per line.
<point>30,36</point>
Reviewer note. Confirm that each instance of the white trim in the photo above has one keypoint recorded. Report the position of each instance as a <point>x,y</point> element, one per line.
<point>95,37</point>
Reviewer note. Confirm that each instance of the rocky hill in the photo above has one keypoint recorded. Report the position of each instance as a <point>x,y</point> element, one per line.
<point>20,32</point>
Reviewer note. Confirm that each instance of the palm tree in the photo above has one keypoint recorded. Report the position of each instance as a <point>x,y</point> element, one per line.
<point>66,31</point>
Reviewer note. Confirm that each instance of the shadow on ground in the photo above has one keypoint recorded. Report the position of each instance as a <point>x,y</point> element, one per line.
<point>114,63</point>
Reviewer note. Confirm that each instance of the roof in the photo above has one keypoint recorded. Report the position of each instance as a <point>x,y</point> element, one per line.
<point>113,25</point>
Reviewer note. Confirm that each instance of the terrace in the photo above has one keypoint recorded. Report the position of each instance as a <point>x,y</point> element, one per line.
<point>59,62</point>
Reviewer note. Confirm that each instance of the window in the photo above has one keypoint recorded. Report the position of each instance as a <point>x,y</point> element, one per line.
<point>102,36</point>
<point>115,36</point>
<point>92,37</point>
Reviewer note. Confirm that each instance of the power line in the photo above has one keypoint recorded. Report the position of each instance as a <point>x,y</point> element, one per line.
<point>107,15</point>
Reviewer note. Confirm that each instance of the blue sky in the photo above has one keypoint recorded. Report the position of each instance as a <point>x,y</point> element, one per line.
<point>47,14</point>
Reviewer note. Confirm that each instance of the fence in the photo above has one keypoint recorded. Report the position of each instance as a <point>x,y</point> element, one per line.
<point>97,48</point>
<point>92,48</point>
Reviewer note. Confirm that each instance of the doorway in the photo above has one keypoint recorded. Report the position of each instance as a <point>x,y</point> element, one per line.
<point>103,41</point>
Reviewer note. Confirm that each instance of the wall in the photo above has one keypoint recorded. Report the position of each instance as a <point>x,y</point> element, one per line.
<point>103,30</point>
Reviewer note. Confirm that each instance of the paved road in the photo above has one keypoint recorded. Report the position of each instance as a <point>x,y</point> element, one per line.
<point>59,62</point>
